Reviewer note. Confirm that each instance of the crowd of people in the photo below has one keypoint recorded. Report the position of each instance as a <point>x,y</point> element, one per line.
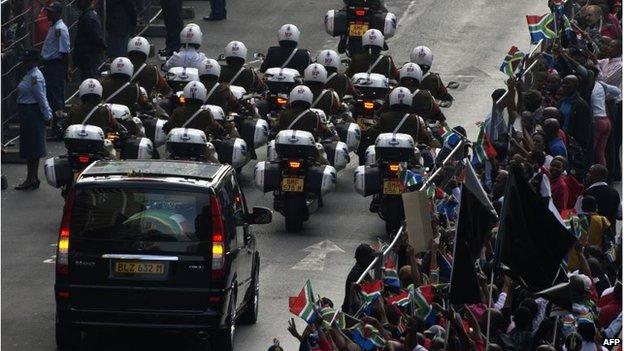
<point>559,128</point>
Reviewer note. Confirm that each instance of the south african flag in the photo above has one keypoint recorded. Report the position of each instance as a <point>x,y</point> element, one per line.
<point>368,337</point>
<point>371,291</point>
<point>512,61</point>
<point>401,300</point>
<point>302,305</point>
<point>541,27</point>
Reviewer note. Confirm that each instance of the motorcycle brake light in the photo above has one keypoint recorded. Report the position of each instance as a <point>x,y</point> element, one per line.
<point>84,159</point>
<point>393,167</point>
<point>281,101</point>
<point>181,100</point>
<point>294,164</point>
<point>369,105</point>
<point>360,12</point>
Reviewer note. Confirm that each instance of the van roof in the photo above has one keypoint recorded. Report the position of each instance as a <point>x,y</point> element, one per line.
<point>155,168</point>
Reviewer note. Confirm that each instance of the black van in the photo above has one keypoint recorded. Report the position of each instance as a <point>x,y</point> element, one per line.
<point>157,244</point>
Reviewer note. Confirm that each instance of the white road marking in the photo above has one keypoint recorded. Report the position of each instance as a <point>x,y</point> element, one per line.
<point>52,259</point>
<point>315,260</point>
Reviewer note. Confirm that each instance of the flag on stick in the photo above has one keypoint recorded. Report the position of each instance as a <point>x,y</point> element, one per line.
<point>541,27</point>
<point>371,291</point>
<point>482,149</point>
<point>302,305</point>
<point>512,61</point>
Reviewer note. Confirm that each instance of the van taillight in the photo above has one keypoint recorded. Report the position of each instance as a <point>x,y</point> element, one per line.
<point>218,240</point>
<point>62,251</point>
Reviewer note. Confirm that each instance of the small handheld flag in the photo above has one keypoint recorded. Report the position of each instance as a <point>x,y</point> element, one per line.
<point>302,305</point>
<point>371,291</point>
<point>541,27</point>
<point>512,61</point>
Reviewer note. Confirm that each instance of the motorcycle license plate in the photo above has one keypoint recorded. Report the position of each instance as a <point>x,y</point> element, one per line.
<point>357,29</point>
<point>132,267</point>
<point>392,187</point>
<point>294,185</point>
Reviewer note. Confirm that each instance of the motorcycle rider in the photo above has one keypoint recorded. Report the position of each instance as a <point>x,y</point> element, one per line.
<point>90,110</point>
<point>400,119</point>
<point>287,55</point>
<point>218,94</point>
<point>298,116</point>
<point>191,115</point>
<point>374,6</point>
<point>146,75</point>
<point>371,60</point>
<point>422,56</point>
<point>337,81</point>
<point>235,72</point>
<point>314,77</point>
<point>117,87</point>
<point>423,103</point>
<point>188,56</point>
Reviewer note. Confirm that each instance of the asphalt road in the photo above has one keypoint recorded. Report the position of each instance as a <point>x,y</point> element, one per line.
<point>469,40</point>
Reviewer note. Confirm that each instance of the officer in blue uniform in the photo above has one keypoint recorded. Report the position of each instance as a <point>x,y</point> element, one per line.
<point>34,113</point>
<point>55,55</point>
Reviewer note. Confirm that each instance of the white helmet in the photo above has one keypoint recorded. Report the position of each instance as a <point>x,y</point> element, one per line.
<point>122,65</point>
<point>400,96</point>
<point>191,34</point>
<point>328,58</point>
<point>411,70</point>
<point>195,90</point>
<point>210,67</point>
<point>300,93</point>
<point>90,86</point>
<point>236,49</point>
<point>139,44</point>
<point>288,32</point>
<point>373,37</point>
<point>315,73</point>
<point>422,56</point>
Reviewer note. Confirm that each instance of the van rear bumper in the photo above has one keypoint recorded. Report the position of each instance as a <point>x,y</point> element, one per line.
<point>171,321</point>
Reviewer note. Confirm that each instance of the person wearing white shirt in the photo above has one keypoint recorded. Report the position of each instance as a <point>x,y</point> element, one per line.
<point>602,93</point>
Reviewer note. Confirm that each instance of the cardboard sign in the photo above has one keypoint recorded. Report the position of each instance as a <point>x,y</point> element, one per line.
<point>418,220</point>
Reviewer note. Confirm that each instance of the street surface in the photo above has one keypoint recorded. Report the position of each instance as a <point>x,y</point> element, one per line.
<point>469,40</point>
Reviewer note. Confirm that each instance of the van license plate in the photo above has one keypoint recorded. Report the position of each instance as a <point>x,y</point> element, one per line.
<point>357,30</point>
<point>392,187</point>
<point>131,267</point>
<point>294,185</point>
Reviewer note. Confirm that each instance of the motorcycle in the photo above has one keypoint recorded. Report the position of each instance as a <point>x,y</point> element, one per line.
<point>353,21</point>
<point>232,151</point>
<point>383,176</point>
<point>295,178</point>
<point>189,144</point>
<point>255,131</point>
<point>372,90</point>
<point>177,78</point>
<point>279,82</point>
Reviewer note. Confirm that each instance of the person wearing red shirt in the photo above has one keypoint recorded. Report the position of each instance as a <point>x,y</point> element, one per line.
<point>41,22</point>
<point>610,306</point>
<point>558,185</point>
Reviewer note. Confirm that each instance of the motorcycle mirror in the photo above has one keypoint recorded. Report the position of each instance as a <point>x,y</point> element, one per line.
<point>258,55</point>
<point>346,61</point>
<point>104,74</point>
<point>221,57</point>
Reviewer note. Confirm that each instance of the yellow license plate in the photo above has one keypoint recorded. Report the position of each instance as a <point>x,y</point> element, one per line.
<point>292,185</point>
<point>357,30</point>
<point>129,267</point>
<point>392,187</point>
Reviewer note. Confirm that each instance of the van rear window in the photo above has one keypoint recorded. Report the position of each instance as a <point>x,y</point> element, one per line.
<point>141,214</point>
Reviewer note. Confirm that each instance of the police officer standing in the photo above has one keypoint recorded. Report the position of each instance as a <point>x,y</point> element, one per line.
<point>217,11</point>
<point>34,113</point>
<point>55,55</point>
<point>172,15</point>
<point>89,42</point>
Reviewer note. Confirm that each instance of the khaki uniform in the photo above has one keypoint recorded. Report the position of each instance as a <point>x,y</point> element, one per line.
<point>203,121</point>
<point>340,83</point>
<point>413,125</point>
<point>248,78</point>
<point>151,79</point>
<point>423,104</point>
<point>221,96</point>
<point>101,117</point>
<point>362,62</point>
<point>433,83</point>
<point>327,101</point>
<point>129,96</point>
<point>309,122</point>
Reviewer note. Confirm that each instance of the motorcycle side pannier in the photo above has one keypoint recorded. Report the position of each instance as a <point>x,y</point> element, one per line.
<point>137,149</point>
<point>350,133</point>
<point>386,23</point>
<point>267,176</point>
<point>337,154</point>
<point>154,130</point>
<point>232,151</point>
<point>255,132</point>
<point>336,23</point>
<point>395,147</point>
<point>320,179</point>
<point>58,171</point>
<point>84,138</point>
<point>367,180</point>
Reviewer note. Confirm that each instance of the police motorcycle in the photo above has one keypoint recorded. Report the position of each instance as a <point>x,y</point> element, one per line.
<point>392,158</point>
<point>230,150</point>
<point>279,82</point>
<point>294,175</point>
<point>254,130</point>
<point>335,152</point>
<point>372,90</point>
<point>178,78</point>
<point>354,20</point>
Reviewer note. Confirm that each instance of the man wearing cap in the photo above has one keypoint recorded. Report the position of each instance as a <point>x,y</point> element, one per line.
<point>55,57</point>
<point>364,255</point>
